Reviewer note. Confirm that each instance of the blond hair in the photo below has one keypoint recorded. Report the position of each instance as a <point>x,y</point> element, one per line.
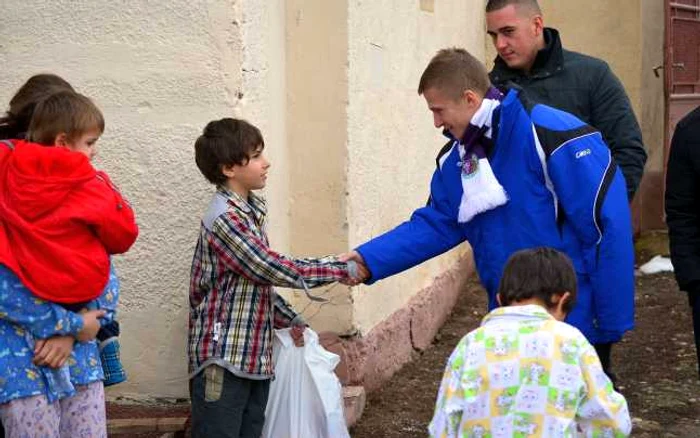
<point>454,71</point>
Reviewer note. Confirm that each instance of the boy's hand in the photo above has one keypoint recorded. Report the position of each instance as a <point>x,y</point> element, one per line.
<point>91,324</point>
<point>297,334</point>
<point>53,352</point>
<point>362,273</point>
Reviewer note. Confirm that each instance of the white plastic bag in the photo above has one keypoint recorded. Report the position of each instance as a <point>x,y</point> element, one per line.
<point>306,398</point>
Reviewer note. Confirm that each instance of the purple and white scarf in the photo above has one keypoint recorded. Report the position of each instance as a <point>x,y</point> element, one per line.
<point>481,191</point>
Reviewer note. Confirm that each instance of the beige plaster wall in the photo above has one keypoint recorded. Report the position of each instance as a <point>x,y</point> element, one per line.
<point>317,94</point>
<point>264,83</point>
<point>159,71</point>
<point>608,30</point>
<point>391,139</point>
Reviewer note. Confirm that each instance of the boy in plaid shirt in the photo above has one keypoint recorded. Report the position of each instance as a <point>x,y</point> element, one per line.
<point>524,372</point>
<point>233,306</point>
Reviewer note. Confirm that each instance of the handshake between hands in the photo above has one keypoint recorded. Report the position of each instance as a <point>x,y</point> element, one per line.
<point>357,273</point>
<point>357,269</point>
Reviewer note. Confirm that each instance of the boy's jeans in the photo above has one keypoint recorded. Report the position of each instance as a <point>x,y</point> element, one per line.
<point>227,406</point>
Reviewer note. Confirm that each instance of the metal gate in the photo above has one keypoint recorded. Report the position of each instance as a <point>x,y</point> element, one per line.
<point>682,63</point>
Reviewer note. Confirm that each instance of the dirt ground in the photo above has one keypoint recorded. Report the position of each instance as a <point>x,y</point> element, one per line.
<point>655,365</point>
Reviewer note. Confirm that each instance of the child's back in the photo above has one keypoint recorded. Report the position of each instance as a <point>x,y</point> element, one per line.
<point>523,371</point>
<point>526,372</point>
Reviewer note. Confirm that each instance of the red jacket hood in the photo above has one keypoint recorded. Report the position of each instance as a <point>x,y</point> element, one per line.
<point>36,179</point>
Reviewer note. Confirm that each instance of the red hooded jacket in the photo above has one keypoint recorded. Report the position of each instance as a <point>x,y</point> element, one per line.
<point>60,219</point>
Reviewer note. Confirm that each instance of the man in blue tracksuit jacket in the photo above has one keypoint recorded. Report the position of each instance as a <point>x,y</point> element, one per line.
<point>517,175</point>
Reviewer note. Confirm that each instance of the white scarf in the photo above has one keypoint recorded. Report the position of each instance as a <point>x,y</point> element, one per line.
<point>481,191</point>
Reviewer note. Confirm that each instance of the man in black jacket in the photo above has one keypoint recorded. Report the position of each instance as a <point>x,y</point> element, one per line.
<point>683,212</point>
<point>531,56</point>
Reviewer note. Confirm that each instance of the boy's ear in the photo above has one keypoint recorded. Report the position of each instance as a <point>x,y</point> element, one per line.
<point>498,300</point>
<point>228,171</point>
<point>560,302</point>
<point>61,140</point>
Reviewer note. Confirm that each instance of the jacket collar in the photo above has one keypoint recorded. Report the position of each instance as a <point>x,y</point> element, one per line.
<point>549,60</point>
<point>530,312</point>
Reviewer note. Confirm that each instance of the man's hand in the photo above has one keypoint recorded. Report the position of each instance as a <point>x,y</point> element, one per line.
<point>53,352</point>
<point>362,273</point>
<point>91,325</point>
<point>297,334</point>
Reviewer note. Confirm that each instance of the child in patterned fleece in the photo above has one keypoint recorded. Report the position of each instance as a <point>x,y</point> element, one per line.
<point>233,306</point>
<point>524,372</point>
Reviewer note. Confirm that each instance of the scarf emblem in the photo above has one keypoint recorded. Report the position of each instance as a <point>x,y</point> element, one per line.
<point>469,166</point>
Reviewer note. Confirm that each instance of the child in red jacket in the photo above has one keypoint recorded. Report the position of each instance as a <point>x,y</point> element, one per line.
<point>60,219</point>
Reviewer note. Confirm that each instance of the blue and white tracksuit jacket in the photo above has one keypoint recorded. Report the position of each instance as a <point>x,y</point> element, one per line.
<point>564,192</point>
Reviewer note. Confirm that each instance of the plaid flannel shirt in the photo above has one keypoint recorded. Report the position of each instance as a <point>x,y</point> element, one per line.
<point>233,306</point>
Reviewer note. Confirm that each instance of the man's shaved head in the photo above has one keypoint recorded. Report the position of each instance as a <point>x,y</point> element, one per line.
<point>530,6</point>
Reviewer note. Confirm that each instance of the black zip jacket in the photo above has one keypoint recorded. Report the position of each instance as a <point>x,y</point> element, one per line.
<point>586,87</point>
<point>683,202</point>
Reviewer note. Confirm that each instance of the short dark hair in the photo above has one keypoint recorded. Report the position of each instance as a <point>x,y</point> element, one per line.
<point>64,112</point>
<point>453,71</point>
<point>540,273</point>
<point>225,142</point>
<point>495,5</point>
<point>22,105</point>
